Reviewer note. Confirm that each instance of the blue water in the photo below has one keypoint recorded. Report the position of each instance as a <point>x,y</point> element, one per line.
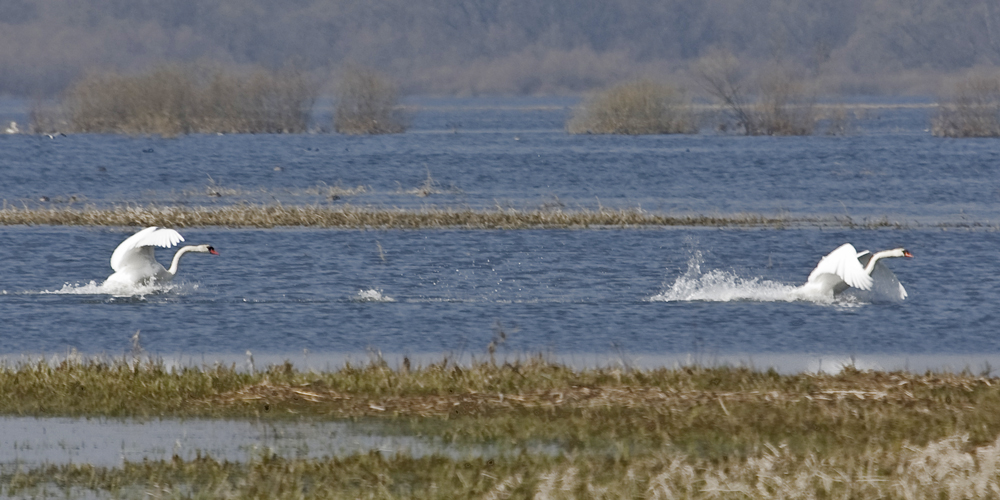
<point>660,290</point>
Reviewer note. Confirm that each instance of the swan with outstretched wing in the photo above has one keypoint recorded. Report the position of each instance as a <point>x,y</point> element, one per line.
<point>845,267</point>
<point>134,261</point>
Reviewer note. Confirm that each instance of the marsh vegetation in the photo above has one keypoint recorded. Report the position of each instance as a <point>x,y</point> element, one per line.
<point>173,99</point>
<point>691,431</point>
<point>348,216</point>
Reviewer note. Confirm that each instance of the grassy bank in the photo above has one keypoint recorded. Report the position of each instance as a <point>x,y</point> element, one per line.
<point>659,433</point>
<point>709,412</point>
<point>347,216</point>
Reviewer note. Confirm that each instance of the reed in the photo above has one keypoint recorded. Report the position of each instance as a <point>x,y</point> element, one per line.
<point>640,107</point>
<point>348,216</point>
<point>175,99</point>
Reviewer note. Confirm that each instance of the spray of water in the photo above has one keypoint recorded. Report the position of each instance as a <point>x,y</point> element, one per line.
<point>372,295</point>
<point>120,290</point>
<point>725,286</point>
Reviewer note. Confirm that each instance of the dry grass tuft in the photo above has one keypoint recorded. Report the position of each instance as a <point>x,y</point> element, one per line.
<point>640,107</point>
<point>175,99</point>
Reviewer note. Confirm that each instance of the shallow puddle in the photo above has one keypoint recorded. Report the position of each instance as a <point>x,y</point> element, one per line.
<point>29,442</point>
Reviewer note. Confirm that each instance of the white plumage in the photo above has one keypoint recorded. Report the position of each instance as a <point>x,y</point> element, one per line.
<point>845,267</point>
<point>134,261</point>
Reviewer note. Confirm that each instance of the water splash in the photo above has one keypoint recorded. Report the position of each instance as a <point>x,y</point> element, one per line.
<point>722,286</point>
<point>372,295</point>
<point>118,289</point>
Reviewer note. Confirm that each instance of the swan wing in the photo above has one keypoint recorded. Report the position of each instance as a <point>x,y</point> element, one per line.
<point>842,262</point>
<point>886,284</point>
<point>137,250</point>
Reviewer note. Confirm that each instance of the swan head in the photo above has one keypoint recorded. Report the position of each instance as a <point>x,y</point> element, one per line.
<point>204,249</point>
<point>895,252</point>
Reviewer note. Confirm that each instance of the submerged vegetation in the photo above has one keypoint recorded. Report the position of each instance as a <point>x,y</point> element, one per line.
<point>348,216</point>
<point>693,432</point>
<point>640,107</point>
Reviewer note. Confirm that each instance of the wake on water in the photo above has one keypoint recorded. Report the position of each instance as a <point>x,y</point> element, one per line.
<point>121,290</point>
<point>722,286</point>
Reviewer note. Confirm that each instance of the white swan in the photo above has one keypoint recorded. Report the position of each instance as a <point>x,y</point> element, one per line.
<point>135,264</point>
<point>845,267</point>
<point>12,129</point>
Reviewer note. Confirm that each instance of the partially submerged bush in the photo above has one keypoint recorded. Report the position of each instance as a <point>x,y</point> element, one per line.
<point>367,103</point>
<point>784,107</point>
<point>774,104</point>
<point>640,107</point>
<point>180,99</point>
<point>973,110</point>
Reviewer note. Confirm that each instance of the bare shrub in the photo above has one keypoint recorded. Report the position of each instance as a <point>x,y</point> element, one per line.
<point>973,109</point>
<point>367,103</point>
<point>640,107</point>
<point>721,75</point>
<point>774,104</point>
<point>174,99</point>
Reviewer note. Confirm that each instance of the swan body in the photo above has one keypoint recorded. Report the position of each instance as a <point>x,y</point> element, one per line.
<point>12,129</point>
<point>845,267</point>
<point>134,261</point>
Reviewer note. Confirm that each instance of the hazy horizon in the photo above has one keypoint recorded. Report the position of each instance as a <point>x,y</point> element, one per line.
<point>508,47</point>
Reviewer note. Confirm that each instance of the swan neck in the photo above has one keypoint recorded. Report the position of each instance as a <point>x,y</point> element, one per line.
<point>177,259</point>
<point>875,258</point>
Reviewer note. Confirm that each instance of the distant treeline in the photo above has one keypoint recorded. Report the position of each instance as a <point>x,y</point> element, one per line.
<point>501,46</point>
